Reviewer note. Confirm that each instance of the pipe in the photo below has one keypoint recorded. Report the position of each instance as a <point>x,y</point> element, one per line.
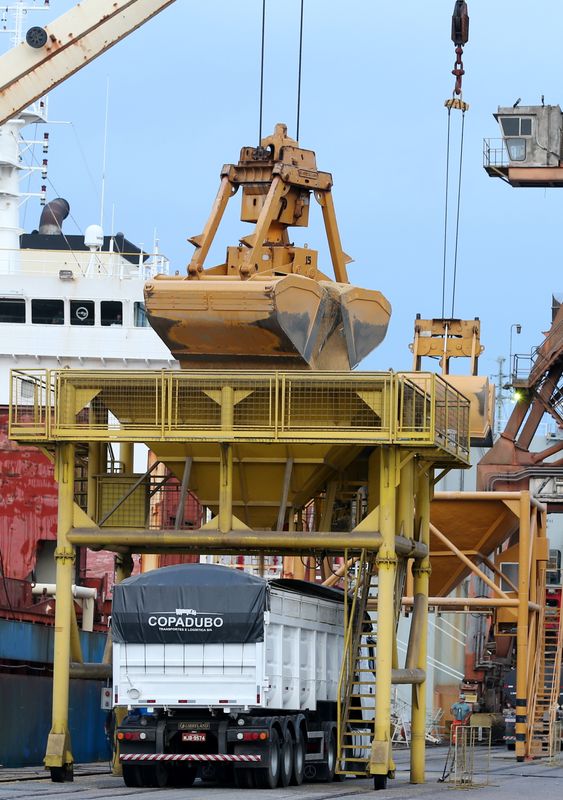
<point>80,592</point>
<point>212,541</point>
<point>90,671</point>
<point>208,541</point>
<point>53,216</point>
<point>466,602</point>
<point>408,676</point>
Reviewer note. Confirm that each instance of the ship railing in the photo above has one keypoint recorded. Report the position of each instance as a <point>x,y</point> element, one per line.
<point>412,409</point>
<point>76,263</point>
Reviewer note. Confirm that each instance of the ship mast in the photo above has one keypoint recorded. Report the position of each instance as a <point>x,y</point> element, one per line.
<point>11,165</point>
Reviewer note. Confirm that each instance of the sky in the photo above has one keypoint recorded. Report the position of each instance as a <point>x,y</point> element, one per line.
<point>183,99</point>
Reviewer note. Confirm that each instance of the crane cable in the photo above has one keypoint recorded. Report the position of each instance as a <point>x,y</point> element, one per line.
<point>460,37</point>
<point>261,104</point>
<point>299,71</point>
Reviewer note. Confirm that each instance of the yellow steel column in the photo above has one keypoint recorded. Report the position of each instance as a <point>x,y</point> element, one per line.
<point>123,569</point>
<point>421,579</point>
<point>58,757</point>
<point>126,456</point>
<point>522,627</point>
<point>380,763</point>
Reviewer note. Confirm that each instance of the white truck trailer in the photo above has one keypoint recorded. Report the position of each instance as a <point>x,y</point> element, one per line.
<point>219,667</point>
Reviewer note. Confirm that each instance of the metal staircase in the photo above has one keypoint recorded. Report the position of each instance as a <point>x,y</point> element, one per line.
<point>543,727</point>
<point>356,704</point>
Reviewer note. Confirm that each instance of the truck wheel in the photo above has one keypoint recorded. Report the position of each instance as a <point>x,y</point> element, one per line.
<point>131,775</point>
<point>244,778</point>
<point>286,759</point>
<point>154,776</point>
<point>325,772</point>
<point>268,777</point>
<point>298,759</point>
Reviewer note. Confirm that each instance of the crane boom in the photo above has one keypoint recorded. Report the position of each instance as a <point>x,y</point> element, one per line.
<point>74,39</point>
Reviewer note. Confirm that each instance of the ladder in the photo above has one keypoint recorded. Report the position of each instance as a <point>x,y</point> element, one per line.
<point>356,690</point>
<point>543,725</point>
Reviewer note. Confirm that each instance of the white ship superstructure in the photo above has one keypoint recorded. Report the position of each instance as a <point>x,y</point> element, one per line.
<point>67,300</point>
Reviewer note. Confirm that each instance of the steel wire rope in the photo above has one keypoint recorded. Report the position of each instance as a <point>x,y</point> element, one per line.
<point>445,245</point>
<point>262,48</point>
<point>299,71</point>
<point>458,209</point>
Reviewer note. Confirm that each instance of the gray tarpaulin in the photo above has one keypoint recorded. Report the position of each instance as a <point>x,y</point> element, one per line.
<point>190,604</point>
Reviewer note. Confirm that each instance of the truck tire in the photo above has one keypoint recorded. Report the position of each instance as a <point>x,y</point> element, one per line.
<point>131,777</point>
<point>268,777</point>
<point>244,778</point>
<point>325,772</point>
<point>286,759</point>
<point>155,775</point>
<point>298,759</point>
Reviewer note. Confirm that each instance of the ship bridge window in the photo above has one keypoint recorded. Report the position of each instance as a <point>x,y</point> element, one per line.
<point>141,320</point>
<point>516,126</point>
<point>47,312</point>
<point>111,312</point>
<point>82,312</point>
<point>12,310</point>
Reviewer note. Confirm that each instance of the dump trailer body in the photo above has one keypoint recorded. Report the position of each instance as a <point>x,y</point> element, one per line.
<point>184,634</point>
<point>216,665</point>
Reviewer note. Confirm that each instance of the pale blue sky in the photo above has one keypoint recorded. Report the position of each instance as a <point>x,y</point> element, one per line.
<point>184,99</point>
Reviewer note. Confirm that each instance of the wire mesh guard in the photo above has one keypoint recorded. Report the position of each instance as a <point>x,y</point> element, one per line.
<point>468,762</point>
<point>404,408</point>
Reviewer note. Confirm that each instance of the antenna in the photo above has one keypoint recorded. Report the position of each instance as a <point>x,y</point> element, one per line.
<point>103,192</point>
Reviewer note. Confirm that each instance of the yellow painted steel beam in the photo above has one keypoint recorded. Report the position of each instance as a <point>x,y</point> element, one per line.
<point>380,761</point>
<point>58,756</point>
<point>421,578</point>
<point>123,569</point>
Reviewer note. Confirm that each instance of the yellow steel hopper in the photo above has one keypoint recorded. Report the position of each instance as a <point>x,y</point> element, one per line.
<point>269,303</point>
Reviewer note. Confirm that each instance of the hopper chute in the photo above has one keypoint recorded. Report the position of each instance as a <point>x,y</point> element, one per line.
<point>268,304</point>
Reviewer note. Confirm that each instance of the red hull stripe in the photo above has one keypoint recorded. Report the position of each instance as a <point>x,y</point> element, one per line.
<point>187,757</point>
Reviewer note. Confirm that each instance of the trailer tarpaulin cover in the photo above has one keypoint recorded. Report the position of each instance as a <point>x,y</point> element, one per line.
<point>190,604</point>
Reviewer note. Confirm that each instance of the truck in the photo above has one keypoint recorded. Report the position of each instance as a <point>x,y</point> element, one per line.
<point>224,672</point>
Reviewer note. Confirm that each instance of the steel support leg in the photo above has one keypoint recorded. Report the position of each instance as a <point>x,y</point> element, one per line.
<point>58,757</point>
<point>380,760</point>
<point>123,569</point>
<point>421,579</point>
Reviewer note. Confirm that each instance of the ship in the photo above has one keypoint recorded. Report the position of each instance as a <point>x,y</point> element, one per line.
<point>66,300</point>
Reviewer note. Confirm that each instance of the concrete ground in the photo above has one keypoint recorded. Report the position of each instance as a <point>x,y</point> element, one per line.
<point>505,779</point>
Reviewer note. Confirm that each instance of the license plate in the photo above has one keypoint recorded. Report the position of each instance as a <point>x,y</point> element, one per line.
<point>194,737</point>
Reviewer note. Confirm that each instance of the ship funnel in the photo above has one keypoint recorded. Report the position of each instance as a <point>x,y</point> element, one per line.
<point>53,216</point>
